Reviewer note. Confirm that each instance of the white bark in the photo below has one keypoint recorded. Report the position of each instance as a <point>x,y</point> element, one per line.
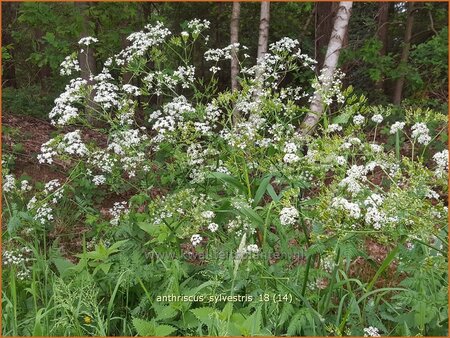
<point>329,66</point>
<point>263,39</point>
<point>234,38</point>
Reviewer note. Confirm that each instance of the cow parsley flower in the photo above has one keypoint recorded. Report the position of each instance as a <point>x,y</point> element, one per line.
<point>340,160</point>
<point>358,119</point>
<point>69,65</point>
<point>87,40</point>
<point>208,214</point>
<point>353,209</point>
<point>334,127</point>
<point>397,126</point>
<point>377,118</point>
<point>196,239</point>
<point>9,183</point>
<point>288,215</point>
<point>371,332</point>
<point>25,186</point>
<point>420,132</point>
<point>118,209</point>
<point>98,179</point>
<point>252,248</point>
<point>441,160</point>
<point>376,148</point>
<point>213,227</point>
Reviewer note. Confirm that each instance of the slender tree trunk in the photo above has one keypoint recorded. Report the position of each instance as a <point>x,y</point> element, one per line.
<point>340,28</point>
<point>382,35</point>
<point>234,38</point>
<point>324,14</point>
<point>9,13</point>
<point>263,39</point>
<point>398,90</point>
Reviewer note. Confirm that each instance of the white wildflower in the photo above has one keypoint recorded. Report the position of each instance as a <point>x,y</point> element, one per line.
<point>196,239</point>
<point>288,215</point>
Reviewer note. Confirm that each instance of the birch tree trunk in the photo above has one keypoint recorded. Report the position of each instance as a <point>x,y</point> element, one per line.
<point>340,28</point>
<point>323,26</point>
<point>397,98</point>
<point>263,39</point>
<point>234,38</point>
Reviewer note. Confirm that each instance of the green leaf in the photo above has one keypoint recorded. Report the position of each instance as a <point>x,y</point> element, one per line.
<point>343,118</point>
<point>261,189</point>
<point>229,180</point>
<point>143,327</point>
<point>204,315</point>
<point>164,330</point>
<point>272,193</point>
<point>165,312</point>
<point>62,265</point>
<point>252,215</point>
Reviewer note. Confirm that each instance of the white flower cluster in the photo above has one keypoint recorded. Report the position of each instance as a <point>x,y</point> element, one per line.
<point>244,133</point>
<point>118,209</point>
<point>196,239</point>
<point>196,26</point>
<point>69,65</point>
<point>341,203</point>
<point>252,248</point>
<point>170,118</point>
<point>106,94</point>
<point>351,141</point>
<point>288,215</point>
<point>376,148</point>
<point>358,119</point>
<point>221,53</point>
<point>9,183</point>
<point>185,75</point>
<point>102,160</point>
<point>19,258</point>
<point>340,160</point>
<point>25,186</point>
<point>290,155</point>
<point>99,179</point>
<point>64,110</point>
<point>420,132</point>
<point>377,118</point>
<point>375,217</point>
<point>71,144</point>
<point>328,87</point>
<point>334,127</point>
<point>208,214</point>
<point>140,42</point>
<point>284,45</point>
<point>355,175</point>
<point>132,90</point>
<point>371,332</point>
<point>87,40</point>
<point>239,226</point>
<point>213,227</point>
<point>125,140</point>
<point>53,192</point>
<point>441,160</point>
<point>397,126</point>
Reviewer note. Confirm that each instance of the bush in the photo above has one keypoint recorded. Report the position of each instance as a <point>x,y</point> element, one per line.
<point>223,218</point>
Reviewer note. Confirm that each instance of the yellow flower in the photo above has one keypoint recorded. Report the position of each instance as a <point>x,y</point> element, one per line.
<point>87,319</point>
